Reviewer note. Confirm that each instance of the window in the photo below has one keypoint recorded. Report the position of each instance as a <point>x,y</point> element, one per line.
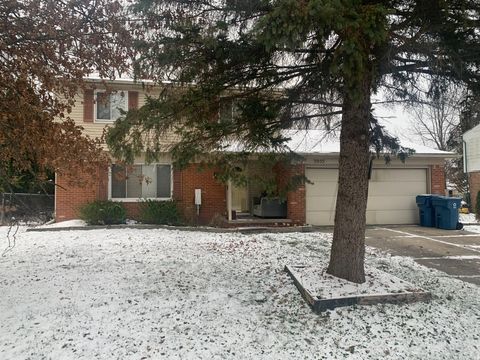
<point>141,181</point>
<point>108,105</point>
<point>228,110</point>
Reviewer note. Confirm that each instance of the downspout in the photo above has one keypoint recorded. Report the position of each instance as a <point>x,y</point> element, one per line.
<point>370,168</point>
<point>229,200</point>
<point>465,170</point>
<point>55,189</point>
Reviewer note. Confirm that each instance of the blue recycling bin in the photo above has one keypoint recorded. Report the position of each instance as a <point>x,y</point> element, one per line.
<point>446,211</point>
<point>426,210</point>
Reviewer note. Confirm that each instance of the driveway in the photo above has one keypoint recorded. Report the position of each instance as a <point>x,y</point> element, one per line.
<point>455,252</point>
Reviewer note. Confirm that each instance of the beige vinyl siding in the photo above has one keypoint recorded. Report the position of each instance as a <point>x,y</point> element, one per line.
<point>95,130</point>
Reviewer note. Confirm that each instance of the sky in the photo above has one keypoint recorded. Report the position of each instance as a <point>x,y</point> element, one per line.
<point>398,121</point>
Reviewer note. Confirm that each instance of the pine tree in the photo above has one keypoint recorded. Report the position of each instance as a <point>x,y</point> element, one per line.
<point>289,61</point>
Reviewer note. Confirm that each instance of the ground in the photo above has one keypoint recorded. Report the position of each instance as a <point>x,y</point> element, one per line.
<point>134,294</point>
<point>455,252</point>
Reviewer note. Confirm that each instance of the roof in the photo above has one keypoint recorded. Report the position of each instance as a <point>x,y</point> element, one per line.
<point>313,142</point>
<point>321,142</point>
<point>304,142</point>
<point>470,133</point>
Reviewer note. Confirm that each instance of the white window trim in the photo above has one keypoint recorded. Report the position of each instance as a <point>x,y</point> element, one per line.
<point>105,121</point>
<point>232,101</point>
<point>140,199</point>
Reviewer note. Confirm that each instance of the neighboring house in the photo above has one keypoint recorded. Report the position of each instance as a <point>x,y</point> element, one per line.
<point>392,189</point>
<point>471,161</point>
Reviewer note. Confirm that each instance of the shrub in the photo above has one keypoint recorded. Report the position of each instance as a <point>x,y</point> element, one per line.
<point>101,212</point>
<point>159,212</point>
<point>218,221</point>
<point>468,199</point>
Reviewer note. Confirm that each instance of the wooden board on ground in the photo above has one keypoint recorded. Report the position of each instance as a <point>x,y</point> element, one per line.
<point>325,292</point>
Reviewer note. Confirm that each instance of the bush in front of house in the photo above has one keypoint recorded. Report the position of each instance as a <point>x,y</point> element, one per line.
<point>159,212</point>
<point>102,212</point>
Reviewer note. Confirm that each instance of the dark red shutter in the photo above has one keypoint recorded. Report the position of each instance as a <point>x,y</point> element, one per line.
<point>88,105</point>
<point>132,100</point>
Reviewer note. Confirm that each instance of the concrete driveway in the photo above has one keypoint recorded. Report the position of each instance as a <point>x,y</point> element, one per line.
<point>455,252</point>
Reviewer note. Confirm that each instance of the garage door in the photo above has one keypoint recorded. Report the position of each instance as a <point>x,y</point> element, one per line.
<point>391,198</point>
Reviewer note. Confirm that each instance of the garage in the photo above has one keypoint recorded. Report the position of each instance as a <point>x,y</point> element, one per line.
<point>391,198</point>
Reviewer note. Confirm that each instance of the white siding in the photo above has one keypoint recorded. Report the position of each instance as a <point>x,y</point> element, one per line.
<point>472,149</point>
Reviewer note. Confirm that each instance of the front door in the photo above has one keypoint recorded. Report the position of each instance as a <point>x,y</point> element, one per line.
<point>240,199</point>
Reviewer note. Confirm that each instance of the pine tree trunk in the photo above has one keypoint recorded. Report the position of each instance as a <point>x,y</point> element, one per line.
<point>348,247</point>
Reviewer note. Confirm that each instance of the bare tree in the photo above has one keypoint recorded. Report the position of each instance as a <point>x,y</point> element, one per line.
<point>434,120</point>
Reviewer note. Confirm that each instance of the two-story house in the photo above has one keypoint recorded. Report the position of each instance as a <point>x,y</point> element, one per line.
<point>392,190</point>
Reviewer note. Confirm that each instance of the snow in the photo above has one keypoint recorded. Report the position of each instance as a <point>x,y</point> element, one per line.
<point>467,218</point>
<point>321,142</point>
<point>325,286</point>
<point>140,294</point>
<point>67,223</point>
<point>472,228</point>
<point>74,223</point>
<point>316,142</point>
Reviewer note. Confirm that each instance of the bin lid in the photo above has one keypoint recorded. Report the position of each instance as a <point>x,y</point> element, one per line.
<point>424,199</point>
<point>446,201</point>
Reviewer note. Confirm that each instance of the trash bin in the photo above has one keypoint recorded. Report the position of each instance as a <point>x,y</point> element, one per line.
<point>426,210</point>
<point>446,211</point>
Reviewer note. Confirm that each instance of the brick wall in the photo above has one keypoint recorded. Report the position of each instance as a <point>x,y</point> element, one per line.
<point>70,197</point>
<point>70,194</point>
<point>213,194</point>
<point>296,206</point>
<point>474,183</point>
<point>438,185</point>
<point>296,201</point>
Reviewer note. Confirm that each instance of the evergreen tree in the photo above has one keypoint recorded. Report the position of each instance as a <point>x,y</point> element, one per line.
<point>289,61</point>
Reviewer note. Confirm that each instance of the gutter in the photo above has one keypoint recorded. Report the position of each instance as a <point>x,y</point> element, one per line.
<point>119,81</point>
<point>444,156</point>
<point>447,155</point>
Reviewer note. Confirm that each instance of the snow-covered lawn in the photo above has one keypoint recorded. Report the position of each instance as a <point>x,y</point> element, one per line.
<point>138,294</point>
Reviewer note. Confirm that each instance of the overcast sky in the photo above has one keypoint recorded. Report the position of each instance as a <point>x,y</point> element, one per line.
<point>398,121</point>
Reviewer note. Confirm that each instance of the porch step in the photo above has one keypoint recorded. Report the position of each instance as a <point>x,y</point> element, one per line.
<point>259,222</point>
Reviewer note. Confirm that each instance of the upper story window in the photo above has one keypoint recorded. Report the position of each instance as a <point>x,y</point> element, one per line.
<point>108,105</point>
<point>228,110</point>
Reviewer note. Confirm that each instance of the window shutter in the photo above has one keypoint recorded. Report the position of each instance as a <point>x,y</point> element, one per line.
<point>88,105</point>
<point>132,100</point>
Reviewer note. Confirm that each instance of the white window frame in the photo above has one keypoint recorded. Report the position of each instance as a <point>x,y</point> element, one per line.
<point>232,104</point>
<point>140,199</point>
<point>105,121</point>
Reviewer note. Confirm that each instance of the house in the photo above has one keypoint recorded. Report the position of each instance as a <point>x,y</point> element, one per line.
<point>471,161</point>
<point>392,190</point>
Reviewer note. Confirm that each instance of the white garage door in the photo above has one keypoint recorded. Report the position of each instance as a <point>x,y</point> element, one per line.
<point>391,195</point>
